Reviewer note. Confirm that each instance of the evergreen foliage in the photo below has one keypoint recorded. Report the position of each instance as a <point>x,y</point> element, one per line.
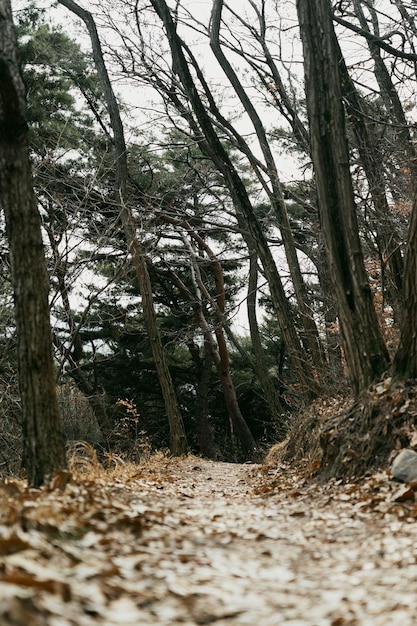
<point>213,218</point>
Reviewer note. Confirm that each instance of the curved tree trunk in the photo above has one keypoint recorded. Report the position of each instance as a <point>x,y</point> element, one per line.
<point>309,329</point>
<point>178,441</point>
<point>211,145</point>
<point>43,442</point>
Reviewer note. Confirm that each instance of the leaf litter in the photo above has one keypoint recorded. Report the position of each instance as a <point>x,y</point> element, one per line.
<point>189,541</point>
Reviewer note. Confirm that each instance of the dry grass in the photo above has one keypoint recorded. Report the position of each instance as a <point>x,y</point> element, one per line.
<point>84,464</point>
<point>303,446</point>
<point>345,438</point>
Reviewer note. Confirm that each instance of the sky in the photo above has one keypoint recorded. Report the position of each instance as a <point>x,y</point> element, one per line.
<point>139,116</point>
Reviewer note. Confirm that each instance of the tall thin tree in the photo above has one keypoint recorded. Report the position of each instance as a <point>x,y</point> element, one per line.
<point>178,442</point>
<point>211,145</point>
<point>43,443</point>
<point>365,350</point>
<point>405,360</point>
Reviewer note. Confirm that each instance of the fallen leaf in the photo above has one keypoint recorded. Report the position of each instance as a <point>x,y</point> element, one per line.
<point>12,544</point>
<point>404,493</point>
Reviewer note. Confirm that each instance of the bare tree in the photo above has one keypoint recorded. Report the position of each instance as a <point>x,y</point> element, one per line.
<point>275,194</point>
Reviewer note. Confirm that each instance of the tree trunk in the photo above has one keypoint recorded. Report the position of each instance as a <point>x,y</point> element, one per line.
<point>386,231</point>
<point>267,384</point>
<point>212,146</point>
<point>336,373</point>
<point>366,353</point>
<point>405,360</point>
<point>205,435</point>
<point>178,440</point>
<point>310,333</point>
<point>43,443</point>
<point>220,357</point>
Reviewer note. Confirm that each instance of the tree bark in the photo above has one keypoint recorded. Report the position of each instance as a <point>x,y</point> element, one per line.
<point>309,331</point>
<point>178,440</point>
<point>267,384</point>
<point>405,360</point>
<point>365,350</point>
<point>205,434</point>
<point>43,443</point>
<point>212,146</point>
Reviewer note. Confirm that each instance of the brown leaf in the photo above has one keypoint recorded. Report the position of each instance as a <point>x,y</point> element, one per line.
<point>11,487</point>
<point>404,493</point>
<point>59,480</point>
<point>22,579</point>
<point>12,544</point>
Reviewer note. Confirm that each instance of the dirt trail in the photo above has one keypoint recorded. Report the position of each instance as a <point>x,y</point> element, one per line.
<point>194,542</point>
<point>299,555</point>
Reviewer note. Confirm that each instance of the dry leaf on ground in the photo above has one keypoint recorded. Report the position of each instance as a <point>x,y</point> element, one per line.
<point>188,541</point>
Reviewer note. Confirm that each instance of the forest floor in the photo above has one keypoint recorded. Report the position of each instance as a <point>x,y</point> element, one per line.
<point>192,542</point>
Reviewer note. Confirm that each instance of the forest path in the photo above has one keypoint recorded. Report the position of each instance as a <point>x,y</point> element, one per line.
<point>192,542</point>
